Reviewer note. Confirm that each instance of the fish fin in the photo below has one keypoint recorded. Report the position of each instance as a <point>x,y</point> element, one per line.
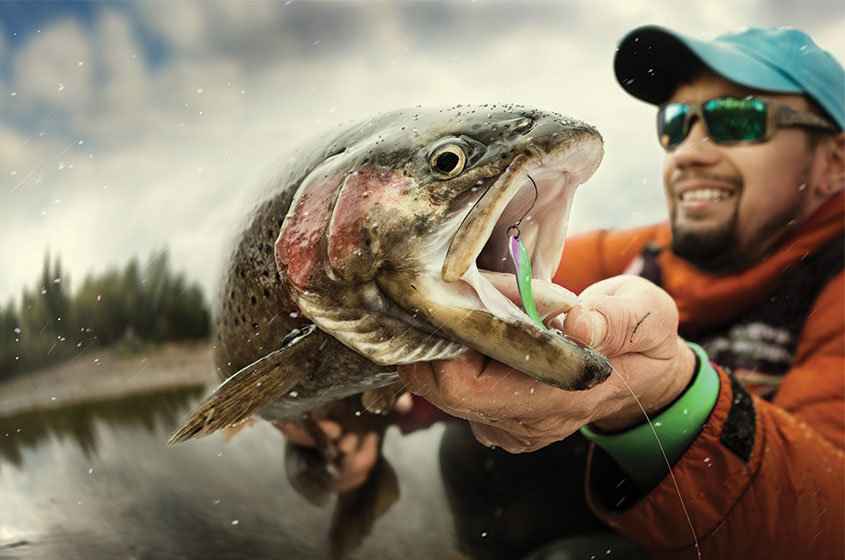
<point>358,509</point>
<point>253,387</point>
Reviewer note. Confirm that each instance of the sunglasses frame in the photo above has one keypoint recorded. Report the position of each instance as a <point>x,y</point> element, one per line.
<point>778,115</point>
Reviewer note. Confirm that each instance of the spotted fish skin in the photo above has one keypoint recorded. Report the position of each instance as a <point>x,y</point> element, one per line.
<point>361,234</point>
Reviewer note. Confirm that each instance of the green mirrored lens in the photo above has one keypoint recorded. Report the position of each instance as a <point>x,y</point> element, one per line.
<point>671,124</point>
<point>735,120</point>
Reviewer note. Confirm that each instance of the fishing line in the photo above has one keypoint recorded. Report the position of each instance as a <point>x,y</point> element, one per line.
<point>522,267</point>
<point>662,452</point>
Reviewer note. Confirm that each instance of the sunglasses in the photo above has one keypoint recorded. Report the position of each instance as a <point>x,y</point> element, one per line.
<point>732,120</point>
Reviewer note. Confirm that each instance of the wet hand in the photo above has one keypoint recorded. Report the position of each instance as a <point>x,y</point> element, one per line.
<point>359,453</point>
<point>630,320</point>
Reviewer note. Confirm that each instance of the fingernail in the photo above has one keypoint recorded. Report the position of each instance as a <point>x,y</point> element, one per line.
<point>596,327</point>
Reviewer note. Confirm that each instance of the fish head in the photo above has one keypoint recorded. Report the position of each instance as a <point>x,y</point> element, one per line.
<point>401,234</point>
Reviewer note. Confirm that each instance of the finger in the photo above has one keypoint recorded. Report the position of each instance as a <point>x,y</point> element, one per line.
<point>623,314</point>
<point>475,387</point>
<point>404,404</point>
<point>295,434</point>
<point>332,429</point>
<point>357,464</point>
<point>418,377</point>
<point>348,443</point>
<point>365,456</point>
<point>492,436</point>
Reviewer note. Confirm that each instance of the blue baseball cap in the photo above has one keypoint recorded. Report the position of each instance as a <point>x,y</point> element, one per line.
<point>652,61</point>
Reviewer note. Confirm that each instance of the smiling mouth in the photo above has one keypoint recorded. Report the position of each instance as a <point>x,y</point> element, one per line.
<point>705,195</point>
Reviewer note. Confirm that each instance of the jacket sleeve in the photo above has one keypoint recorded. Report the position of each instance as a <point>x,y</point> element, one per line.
<point>761,480</point>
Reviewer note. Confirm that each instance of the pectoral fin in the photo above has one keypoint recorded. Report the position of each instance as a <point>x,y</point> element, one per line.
<point>254,387</point>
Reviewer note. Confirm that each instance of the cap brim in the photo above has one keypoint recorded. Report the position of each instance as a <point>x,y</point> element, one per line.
<point>652,61</point>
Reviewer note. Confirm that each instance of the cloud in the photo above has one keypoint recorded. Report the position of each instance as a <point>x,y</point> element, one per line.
<point>52,69</point>
<point>174,145</point>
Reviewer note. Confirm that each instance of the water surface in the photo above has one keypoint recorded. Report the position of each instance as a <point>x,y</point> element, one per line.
<point>98,481</point>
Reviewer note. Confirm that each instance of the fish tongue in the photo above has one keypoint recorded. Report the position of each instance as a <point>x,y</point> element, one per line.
<point>511,339</point>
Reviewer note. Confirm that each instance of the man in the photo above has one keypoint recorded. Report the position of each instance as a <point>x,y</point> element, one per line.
<point>750,266</point>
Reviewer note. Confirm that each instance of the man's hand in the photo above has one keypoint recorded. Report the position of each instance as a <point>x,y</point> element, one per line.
<point>628,319</point>
<point>359,453</point>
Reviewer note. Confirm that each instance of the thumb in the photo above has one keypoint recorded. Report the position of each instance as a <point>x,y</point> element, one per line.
<point>621,315</point>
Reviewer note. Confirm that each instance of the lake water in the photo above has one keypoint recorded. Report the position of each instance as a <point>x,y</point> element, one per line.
<point>98,481</point>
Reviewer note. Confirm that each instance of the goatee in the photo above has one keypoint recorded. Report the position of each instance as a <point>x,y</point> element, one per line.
<point>710,251</point>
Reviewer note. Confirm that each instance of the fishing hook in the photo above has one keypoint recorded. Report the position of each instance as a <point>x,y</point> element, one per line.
<point>530,208</point>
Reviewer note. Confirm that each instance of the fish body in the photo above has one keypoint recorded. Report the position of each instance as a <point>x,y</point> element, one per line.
<point>384,244</point>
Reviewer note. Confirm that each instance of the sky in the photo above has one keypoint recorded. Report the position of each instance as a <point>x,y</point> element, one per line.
<point>131,127</point>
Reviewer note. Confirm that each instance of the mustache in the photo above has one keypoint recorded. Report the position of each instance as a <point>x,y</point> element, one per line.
<point>698,174</point>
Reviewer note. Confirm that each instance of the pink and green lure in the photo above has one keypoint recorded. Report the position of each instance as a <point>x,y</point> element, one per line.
<point>522,266</point>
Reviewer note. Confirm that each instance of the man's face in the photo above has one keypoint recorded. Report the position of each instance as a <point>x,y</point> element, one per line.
<point>729,204</point>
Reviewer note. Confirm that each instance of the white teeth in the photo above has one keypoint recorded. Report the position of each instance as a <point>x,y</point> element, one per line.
<point>705,195</point>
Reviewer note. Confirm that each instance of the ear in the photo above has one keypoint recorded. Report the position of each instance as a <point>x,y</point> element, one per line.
<point>830,164</point>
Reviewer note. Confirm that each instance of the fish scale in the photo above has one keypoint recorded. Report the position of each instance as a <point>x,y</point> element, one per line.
<point>378,247</point>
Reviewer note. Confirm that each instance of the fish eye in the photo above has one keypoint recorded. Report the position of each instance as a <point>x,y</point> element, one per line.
<point>447,158</point>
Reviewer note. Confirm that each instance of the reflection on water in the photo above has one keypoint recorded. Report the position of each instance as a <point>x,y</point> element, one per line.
<point>77,422</point>
<point>97,480</point>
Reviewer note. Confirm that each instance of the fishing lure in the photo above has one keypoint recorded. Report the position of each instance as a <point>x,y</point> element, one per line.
<point>522,265</point>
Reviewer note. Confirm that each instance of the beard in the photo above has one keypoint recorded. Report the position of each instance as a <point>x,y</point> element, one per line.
<point>710,251</point>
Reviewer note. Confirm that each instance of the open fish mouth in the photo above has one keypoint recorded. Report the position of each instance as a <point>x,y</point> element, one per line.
<point>465,299</point>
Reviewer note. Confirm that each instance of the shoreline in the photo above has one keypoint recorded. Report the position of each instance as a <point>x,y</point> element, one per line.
<point>106,373</point>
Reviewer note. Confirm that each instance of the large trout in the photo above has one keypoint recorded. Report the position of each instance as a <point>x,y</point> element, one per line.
<point>384,244</point>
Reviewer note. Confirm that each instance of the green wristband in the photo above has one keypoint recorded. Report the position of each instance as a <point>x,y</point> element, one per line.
<point>636,450</point>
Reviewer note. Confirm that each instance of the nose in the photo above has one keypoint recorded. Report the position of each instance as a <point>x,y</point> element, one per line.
<point>696,149</point>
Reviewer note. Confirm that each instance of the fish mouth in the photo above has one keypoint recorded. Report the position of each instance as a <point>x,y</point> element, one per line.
<point>467,300</point>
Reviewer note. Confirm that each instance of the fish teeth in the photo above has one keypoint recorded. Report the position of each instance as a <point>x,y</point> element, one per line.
<point>705,195</point>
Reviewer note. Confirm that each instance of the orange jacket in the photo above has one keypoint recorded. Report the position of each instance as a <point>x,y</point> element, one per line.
<point>783,496</point>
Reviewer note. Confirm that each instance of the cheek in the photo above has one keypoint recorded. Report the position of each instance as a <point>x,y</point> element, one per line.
<point>777,175</point>
<point>772,179</point>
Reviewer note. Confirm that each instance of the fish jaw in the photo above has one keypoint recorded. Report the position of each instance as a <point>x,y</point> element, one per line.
<point>557,174</point>
<point>464,301</point>
<point>427,249</point>
<point>507,337</point>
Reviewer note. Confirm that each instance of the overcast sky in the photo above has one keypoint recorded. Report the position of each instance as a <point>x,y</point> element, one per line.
<point>130,127</point>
